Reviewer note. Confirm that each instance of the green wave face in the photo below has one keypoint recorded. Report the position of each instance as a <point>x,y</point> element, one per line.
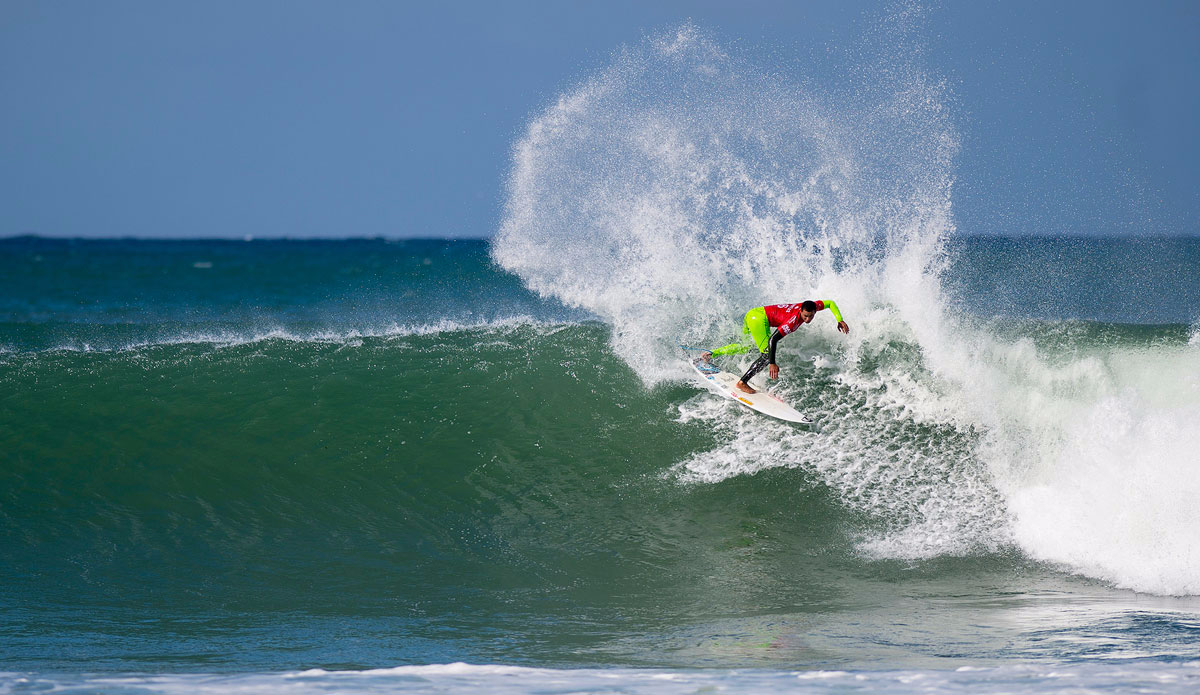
<point>510,493</point>
<point>521,462</point>
<point>424,489</point>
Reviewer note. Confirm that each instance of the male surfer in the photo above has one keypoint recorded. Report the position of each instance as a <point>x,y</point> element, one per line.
<point>784,318</point>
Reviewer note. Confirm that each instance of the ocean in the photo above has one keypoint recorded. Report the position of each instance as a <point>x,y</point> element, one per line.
<point>428,466</point>
<point>359,466</point>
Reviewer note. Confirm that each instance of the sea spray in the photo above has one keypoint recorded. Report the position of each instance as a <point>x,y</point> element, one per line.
<point>681,186</point>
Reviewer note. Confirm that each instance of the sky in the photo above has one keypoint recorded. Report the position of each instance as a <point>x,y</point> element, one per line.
<point>302,119</point>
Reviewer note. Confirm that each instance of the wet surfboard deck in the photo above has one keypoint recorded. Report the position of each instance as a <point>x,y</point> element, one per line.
<point>724,384</point>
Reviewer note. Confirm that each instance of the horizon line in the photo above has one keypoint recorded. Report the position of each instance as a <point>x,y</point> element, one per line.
<point>393,239</point>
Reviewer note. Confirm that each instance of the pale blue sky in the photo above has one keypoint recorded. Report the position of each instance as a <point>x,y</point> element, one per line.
<point>307,119</point>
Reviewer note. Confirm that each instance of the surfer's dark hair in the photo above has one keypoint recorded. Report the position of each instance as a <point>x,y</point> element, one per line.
<point>809,305</point>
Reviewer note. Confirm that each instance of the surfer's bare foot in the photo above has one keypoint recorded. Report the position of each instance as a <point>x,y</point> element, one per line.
<point>743,387</point>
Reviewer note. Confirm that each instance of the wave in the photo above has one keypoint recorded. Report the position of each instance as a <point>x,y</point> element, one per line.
<point>681,186</point>
<point>419,456</point>
<point>527,462</point>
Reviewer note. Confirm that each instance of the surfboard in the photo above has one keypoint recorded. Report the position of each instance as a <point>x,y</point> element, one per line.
<point>724,384</point>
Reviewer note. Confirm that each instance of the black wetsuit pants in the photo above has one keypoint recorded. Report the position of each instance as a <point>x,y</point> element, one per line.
<point>755,368</point>
<point>763,360</point>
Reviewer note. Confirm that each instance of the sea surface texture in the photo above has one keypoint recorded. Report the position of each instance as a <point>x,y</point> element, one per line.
<point>484,466</point>
<point>226,464</point>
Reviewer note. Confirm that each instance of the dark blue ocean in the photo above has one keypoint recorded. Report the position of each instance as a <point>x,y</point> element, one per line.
<point>432,466</point>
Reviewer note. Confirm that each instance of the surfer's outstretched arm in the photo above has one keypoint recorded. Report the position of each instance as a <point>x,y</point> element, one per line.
<point>833,308</point>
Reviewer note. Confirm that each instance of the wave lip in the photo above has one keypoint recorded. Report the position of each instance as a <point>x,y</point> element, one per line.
<point>225,337</point>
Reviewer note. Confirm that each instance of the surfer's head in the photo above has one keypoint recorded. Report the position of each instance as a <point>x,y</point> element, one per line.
<point>807,310</point>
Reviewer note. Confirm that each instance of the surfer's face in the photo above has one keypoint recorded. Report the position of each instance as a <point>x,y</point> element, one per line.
<point>806,316</point>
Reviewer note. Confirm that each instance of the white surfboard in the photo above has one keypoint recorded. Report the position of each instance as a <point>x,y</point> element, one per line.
<point>724,384</point>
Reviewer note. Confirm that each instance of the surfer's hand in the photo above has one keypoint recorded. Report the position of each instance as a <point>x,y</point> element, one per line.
<point>773,371</point>
<point>843,327</point>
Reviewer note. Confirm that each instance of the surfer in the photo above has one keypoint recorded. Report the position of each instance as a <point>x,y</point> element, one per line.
<point>784,318</point>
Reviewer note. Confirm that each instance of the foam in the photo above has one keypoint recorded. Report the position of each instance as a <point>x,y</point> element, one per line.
<point>1111,489</point>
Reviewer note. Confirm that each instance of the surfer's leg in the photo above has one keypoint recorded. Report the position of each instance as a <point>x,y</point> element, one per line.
<point>755,368</point>
<point>731,349</point>
<point>758,328</point>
